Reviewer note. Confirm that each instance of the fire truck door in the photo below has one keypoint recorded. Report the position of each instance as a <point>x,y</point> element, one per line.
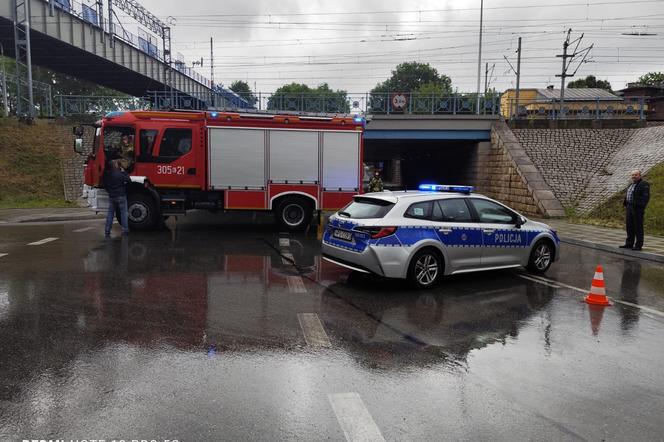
<point>171,156</point>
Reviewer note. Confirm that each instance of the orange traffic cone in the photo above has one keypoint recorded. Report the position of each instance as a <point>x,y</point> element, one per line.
<point>597,295</point>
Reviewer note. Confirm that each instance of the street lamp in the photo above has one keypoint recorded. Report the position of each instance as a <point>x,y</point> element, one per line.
<point>479,57</point>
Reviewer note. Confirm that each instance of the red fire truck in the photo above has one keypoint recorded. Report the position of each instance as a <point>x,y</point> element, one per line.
<point>293,165</point>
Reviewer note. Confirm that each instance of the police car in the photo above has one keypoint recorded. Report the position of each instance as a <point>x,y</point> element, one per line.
<point>438,230</point>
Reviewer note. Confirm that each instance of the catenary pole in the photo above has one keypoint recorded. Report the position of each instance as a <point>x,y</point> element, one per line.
<point>479,57</point>
<point>5,104</point>
<point>518,77</point>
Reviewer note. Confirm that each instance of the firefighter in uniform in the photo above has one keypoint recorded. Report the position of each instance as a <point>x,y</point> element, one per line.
<point>126,152</point>
<point>376,182</point>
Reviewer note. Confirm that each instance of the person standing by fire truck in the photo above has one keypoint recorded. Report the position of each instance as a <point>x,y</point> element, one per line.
<point>115,182</point>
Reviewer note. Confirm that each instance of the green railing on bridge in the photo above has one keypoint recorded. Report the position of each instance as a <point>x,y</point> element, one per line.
<point>336,102</point>
<point>366,104</point>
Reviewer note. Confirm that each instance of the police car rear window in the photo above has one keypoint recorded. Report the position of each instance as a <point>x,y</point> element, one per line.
<point>365,208</point>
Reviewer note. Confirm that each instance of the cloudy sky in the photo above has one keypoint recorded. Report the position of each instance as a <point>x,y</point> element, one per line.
<point>353,45</point>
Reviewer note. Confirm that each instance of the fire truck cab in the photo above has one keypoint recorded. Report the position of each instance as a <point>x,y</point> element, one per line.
<point>180,160</point>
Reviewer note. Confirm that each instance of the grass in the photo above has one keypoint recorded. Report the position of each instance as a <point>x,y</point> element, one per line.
<point>32,203</point>
<point>612,212</point>
<point>30,165</point>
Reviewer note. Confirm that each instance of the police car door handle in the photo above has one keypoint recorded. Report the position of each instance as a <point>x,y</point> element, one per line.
<point>445,230</point>
<point>488,231</point>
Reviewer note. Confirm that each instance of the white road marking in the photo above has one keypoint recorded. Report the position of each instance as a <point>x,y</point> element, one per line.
<point>287,258</point>
<point>571,287</point>
<point>296,284</point>
<point>284,242</point>
<point>42,241</point>
<point>529,278</point>
<point>3,254</point>
<point>314,333</point>
<point>551,282</point>
<point>354,418</point>
<point>84,229</point>
<point>642,307</point>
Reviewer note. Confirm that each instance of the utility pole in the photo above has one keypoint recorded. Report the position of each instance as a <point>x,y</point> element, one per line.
<point>212,94</point>
<point>479,58</point>
<point>5,104</point>
<point>565,56</point>
<point>517,71</point>
<point>518,76</point>
<point>563,74</point>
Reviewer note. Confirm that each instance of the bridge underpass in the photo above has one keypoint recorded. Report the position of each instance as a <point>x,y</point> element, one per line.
<point>415,149</point>
<point>63,41</point>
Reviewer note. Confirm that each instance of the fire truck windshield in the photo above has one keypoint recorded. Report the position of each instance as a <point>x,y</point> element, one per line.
<point>119,145</point>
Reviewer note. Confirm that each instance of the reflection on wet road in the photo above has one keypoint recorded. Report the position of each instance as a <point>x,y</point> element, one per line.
<point>218,332</point>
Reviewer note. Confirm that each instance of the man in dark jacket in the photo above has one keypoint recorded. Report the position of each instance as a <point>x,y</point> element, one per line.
<point>115,182</point>
<point>635,202</point>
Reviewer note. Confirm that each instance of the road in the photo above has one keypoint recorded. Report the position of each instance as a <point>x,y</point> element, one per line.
<point>211,331</point>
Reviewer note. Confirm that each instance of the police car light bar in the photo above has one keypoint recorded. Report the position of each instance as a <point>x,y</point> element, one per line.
<point>446,188</point>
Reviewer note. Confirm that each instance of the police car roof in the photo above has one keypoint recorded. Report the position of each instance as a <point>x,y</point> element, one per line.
<point>394,197</point>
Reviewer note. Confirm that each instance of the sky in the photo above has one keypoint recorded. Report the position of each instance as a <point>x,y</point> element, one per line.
<point>353,45</point>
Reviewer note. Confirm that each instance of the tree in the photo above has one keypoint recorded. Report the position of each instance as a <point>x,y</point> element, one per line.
<point>415,77</point>
<point>300,97</point>
<point>590,82</point>
<point>244,91</point>
<point>652,79</point>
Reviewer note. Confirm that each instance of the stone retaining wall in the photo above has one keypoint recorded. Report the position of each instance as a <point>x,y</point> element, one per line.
<point>506,173</point>
<point>73,163</point>
<point>585,167</point>
<point>569,158</point>
<point>643,150</point>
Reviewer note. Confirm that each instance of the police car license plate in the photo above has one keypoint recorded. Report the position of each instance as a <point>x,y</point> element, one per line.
<point>343,235</point>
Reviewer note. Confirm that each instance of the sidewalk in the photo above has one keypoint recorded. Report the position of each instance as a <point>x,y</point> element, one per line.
<point>606,239</point>
<point>45,215</point>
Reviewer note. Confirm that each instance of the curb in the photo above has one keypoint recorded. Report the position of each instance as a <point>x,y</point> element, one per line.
<point>615,250</point>
<point>53,218</point>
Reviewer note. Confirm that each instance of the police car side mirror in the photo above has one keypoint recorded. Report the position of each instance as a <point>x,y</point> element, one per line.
<point>520,221</point>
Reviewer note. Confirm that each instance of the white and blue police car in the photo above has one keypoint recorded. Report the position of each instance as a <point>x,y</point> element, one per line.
<point>438,230</point>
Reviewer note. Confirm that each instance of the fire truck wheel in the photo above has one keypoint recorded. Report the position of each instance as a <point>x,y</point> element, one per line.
<point>294,213</point>
<point>142,212</point>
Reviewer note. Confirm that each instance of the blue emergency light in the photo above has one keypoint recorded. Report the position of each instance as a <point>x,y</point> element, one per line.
<point>446,188</point>
<point>213,114</point>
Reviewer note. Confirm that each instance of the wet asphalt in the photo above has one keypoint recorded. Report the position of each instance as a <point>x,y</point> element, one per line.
<point>210,330</point>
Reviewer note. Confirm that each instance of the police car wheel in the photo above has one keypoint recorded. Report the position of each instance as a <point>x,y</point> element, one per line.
<point>293,214</point>
<point>426,268</point>
<point>541,257</point>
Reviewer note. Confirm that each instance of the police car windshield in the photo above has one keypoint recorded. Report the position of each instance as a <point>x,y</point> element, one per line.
<point>366,208</point>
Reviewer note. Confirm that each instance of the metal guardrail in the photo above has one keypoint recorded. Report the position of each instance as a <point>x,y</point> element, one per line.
<point>629,108</point>
<point>43,96</point>
<point>80,105</point>
<point>144,42</point>
<point>336,102</point>
<point>365,104</point>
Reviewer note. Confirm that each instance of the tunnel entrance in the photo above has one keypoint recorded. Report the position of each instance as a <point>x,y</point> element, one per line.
<point>405,164</point>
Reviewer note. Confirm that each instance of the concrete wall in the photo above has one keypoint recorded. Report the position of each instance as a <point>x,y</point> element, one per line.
<point>506,173</point>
